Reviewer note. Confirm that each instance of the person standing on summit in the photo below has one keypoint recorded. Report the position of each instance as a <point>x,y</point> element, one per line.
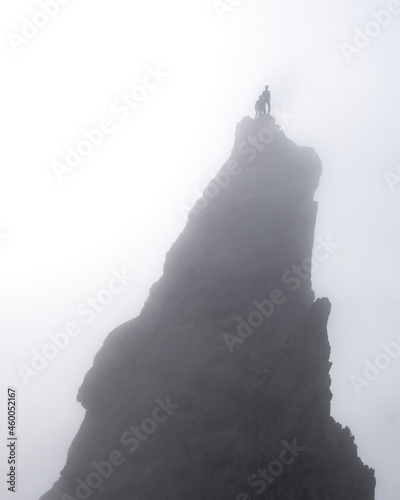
<point>266,95</point>
<point>260,106</point>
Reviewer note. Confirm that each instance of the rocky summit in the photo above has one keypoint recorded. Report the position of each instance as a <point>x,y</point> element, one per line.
<point>220,388</point>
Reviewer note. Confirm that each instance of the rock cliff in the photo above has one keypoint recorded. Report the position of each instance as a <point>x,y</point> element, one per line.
<point>220,389</point>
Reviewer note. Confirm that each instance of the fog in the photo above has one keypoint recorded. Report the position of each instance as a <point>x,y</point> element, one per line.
<point>66,234</point>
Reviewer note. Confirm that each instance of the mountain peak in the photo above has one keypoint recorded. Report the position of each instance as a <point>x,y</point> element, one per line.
<point>220,388</point>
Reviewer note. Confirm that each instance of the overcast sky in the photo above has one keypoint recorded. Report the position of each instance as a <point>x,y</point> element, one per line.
<point>195,71</point>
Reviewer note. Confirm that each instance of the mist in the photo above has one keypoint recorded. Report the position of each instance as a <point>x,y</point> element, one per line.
<point>81,245</point>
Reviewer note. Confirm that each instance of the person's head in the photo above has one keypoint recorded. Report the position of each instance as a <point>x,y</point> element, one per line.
<point>266,87</point>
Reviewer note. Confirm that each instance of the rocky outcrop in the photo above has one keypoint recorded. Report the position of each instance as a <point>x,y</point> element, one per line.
<point>220,389</point>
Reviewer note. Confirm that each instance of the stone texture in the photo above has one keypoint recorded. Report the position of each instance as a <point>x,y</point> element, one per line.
<point>238,395</point>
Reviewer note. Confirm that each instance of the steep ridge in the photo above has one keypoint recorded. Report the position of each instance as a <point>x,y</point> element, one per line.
<point>220,389</point>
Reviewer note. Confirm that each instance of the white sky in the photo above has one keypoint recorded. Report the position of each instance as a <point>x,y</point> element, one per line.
<point>120,208</point>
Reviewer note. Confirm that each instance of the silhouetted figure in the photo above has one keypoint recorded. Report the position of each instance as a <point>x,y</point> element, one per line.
<point>260,106</point>
<point>266,95</point>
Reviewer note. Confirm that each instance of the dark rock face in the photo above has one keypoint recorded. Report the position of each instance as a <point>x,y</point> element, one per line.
<point>219,390</point>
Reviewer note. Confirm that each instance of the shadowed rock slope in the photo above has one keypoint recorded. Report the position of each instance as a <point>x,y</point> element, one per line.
<point>220,389</point>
